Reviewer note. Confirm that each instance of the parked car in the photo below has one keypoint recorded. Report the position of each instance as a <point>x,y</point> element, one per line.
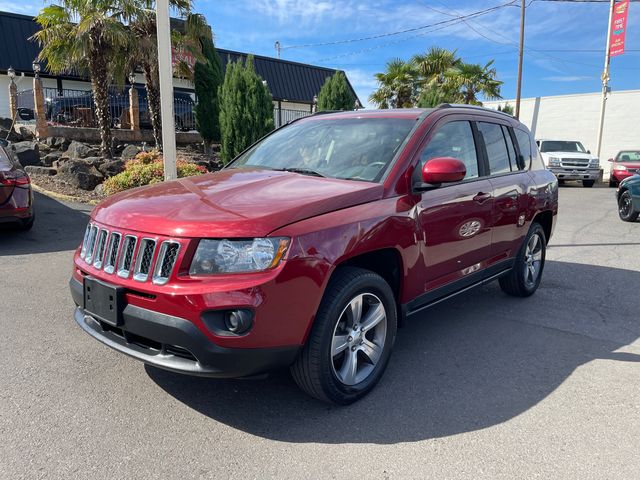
<point>16,196</point>
<point>309,248</point>
<point>569,160</point>
<point>625,164</point>
<point>68,109</point>
<point>628,196</point>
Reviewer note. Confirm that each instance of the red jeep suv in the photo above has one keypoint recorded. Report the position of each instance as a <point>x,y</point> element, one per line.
<point>309,248</point>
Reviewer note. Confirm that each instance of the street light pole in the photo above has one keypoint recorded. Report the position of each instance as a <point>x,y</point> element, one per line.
<point>166,89</point>
<point>520,57</point>
<point>605,81</point>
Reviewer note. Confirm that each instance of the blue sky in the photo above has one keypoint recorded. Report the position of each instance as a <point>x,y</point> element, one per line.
<point>552,28</point>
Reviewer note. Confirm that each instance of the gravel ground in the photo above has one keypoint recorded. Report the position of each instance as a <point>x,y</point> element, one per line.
<point>480,387</point>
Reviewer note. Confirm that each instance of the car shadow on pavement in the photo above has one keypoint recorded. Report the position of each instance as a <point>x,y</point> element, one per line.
<point>58,227</point>
<point>466,364</point>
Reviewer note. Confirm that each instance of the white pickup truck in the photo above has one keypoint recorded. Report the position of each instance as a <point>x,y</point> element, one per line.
<point>569,160</point>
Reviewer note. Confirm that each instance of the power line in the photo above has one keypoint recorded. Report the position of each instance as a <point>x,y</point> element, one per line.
<point>400,32</point>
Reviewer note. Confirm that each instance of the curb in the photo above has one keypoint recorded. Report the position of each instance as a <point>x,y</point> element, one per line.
<point>62,196</point>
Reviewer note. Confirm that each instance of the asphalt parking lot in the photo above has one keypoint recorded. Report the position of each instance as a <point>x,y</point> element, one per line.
<point>482,386</point>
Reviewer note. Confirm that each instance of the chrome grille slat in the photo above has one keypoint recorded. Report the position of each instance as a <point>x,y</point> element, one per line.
<point>144,260</point>
<point>100,246</point>
<point>112,252</point>
<point>166,261</point>
<point>126,256</point>
<point>85,241</point>
<point>91,244</point>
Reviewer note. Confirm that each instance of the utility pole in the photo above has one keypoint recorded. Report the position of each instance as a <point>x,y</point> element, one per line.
<point>520,57</point>
<point>165,68</point>
<point>605,80</point>
<point>278,48</point>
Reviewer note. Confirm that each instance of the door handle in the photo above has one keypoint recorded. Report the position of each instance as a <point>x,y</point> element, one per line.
<point>481,197</point>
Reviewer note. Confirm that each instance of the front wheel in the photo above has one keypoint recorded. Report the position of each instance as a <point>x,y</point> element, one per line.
<point>625,207</point>
<point>588,183</point>
<point>612,183</point>
<point>524,278</point>
<point>351,340</point>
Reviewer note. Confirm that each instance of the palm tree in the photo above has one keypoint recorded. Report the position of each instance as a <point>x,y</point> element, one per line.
<point>397,86</point>
<point>433,64</point>
<point>472,79</point>
<point>87,36</point>
<point>143,51</point>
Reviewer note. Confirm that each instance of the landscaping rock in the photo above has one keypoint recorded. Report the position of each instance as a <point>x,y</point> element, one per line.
<point>36,170</point>
<point>60,143</point>
<point>81,150</point>
<point>111,168</point>
<point>50,158</point>
<point>94,161</point>
<point>26,134</point>
<point>26,152</point>
<point>130,151</point>
<point>80,174</point>
<point>5,123</point>
<point>43,148</point>
<point>10,135</point>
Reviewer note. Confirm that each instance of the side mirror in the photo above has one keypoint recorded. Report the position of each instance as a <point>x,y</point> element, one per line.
<point>588,151</point>
<point>610,160</point>
<point>443,170</point>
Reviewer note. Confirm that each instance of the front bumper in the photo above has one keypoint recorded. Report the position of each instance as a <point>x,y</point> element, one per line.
<point>568,174</point>
<point>176,344</point>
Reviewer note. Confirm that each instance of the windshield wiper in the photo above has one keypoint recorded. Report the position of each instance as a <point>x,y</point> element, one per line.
<point>303,171</point>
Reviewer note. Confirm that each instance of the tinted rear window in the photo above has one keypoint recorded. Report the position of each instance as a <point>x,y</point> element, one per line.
<point>524,143</point>
<point>496,147</point>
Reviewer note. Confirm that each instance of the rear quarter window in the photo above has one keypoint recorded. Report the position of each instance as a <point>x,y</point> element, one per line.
<point>524,144</point>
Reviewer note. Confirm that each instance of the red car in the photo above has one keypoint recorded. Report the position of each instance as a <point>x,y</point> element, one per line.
<point>16,197</point>
<point>625,164</point>
<point>310,248</point>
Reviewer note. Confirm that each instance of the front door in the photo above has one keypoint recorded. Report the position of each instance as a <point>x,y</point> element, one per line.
<point>456,219</point>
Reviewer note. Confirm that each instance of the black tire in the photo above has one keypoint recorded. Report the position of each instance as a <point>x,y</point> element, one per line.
<point>625,207</point>
<point>515,283</point>
<point>612,183</point>
<point>27,225</point>
<point>315,369</point>
<point>561,182</point>
<point>588,183</point>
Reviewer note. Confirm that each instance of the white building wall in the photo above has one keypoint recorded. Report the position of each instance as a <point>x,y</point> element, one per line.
<point>576,117</point>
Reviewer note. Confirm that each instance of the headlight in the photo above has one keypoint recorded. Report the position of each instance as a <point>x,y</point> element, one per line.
<point>619,167</point>
<point>236,256</point>
<point>594,163</point>
<point>554,161</point>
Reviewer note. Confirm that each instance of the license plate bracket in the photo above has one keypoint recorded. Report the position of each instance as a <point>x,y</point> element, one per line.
<point>103,301</point>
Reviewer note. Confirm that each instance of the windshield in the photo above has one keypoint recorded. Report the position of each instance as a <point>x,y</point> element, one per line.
<point>348,148</point>
<point>558,146</point>
<point>629,156</point>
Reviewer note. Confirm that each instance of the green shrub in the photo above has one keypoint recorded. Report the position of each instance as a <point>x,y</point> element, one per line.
<point>335,94</point>
<point>146,169</point>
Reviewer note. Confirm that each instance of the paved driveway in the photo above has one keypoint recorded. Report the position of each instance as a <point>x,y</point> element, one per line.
<point>483,386</point>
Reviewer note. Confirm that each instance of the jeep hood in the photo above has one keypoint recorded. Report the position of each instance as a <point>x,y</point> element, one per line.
<point>231,203</point>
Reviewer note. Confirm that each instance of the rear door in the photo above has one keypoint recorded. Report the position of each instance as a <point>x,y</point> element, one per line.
<point>509,180</point>
<point>455,219</point>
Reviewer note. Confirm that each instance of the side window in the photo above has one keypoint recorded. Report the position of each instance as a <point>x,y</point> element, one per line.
<point>524,143</point>
<point>510,148</point>
<point>454,139</point>
<point>496,146</point>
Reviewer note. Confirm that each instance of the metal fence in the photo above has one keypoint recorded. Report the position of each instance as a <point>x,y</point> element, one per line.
<point>284,116</point>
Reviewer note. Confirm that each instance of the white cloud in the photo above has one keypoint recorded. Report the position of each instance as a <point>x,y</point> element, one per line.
<point>26,8</point>
<point>568,78</point>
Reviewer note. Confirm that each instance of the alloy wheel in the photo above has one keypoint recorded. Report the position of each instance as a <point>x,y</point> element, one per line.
<point>359,339</point>
<point>533,260</point>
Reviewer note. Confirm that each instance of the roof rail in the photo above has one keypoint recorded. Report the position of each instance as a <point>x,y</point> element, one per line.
<point>474,107</point>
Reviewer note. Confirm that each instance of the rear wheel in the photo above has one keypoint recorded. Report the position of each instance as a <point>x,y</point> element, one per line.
<point>588,183</point>
<point>352,337</point>
<point>625,207</point>
<point>524,278</point>
<point>27,224</point>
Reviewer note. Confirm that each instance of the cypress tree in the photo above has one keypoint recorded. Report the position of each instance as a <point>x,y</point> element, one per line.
<point>246,108</point>
<point>335,94</point>
<point>207,78</point>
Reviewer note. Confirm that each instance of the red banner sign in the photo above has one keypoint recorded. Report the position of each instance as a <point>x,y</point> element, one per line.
<point>618,27</point>
<point>181,55</point>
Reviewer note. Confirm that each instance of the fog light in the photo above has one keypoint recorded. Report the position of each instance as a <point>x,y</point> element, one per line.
<point>238,321</point>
